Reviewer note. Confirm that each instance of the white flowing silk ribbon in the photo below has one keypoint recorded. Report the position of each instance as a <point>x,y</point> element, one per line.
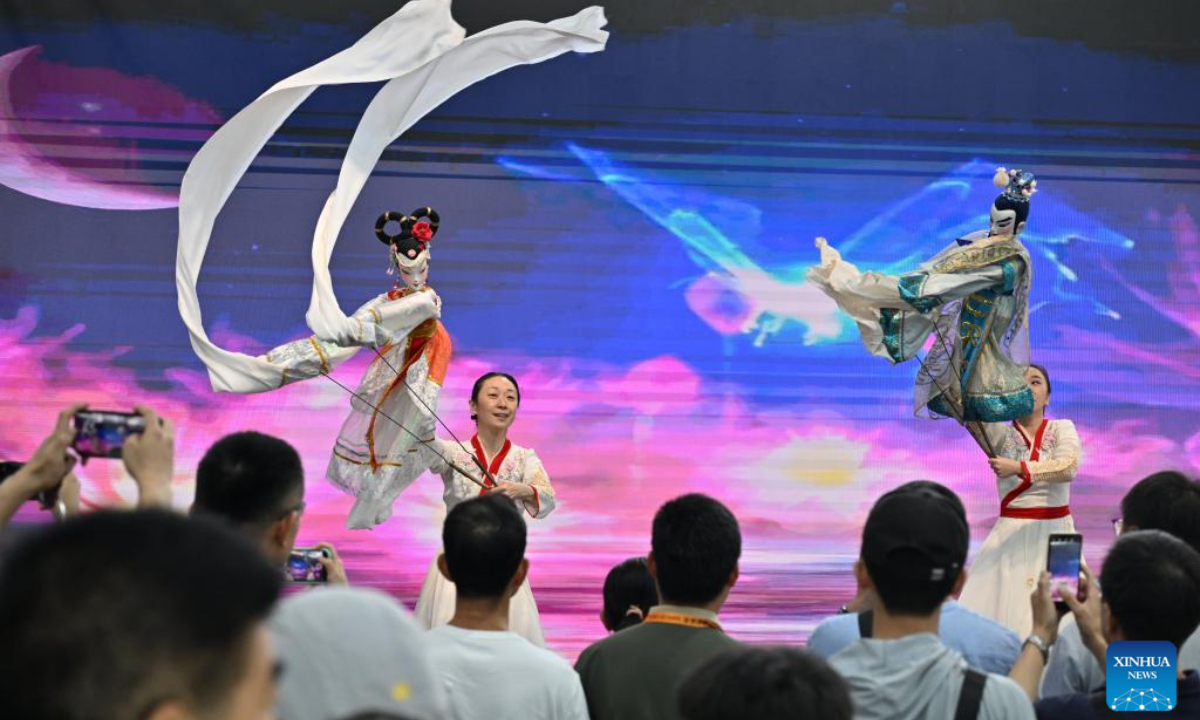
<point>423,55</point>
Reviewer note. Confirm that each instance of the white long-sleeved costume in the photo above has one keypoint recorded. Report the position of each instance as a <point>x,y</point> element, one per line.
<point>378,453</point>
<point>424,58</point>
<point>514,464</point>
<point>1033,505</point>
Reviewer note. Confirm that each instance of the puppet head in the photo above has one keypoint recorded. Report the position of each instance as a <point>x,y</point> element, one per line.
<point>409,247</point>
<point>1010,210</point>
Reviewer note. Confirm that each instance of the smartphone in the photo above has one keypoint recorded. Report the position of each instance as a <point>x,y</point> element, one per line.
<point>102,433</point>
<point>1063,560</point>
<point>304,566</point>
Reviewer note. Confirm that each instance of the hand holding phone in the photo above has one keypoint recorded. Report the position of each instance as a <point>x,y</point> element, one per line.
<point>45,470</point>
<point>1064,561</point>
<point>304,565</point>
<point>149,457</point>
<point>102,433</point>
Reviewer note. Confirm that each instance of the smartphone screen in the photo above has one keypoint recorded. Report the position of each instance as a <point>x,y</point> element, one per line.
<point>102,433</point>
<point>304,565</point>
<point>1063,562</point>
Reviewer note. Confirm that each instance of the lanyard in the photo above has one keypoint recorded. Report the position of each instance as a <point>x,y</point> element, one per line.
<point>666,618</point>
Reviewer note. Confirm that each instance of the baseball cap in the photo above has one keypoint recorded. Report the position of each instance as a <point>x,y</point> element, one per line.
<point>917,532</point>
<point>350,651</point>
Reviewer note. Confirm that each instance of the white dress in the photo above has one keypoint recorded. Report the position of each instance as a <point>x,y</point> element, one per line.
<point>1033,505</point>
<point>514,464</point>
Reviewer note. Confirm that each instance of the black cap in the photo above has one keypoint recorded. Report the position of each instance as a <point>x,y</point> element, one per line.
<point>917,532</point>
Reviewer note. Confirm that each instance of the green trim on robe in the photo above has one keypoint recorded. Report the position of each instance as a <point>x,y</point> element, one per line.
<point>911,287</point>
<point>892,323</point>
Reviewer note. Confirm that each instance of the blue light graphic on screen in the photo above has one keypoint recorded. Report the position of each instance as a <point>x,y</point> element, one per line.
<point>1067,241</point>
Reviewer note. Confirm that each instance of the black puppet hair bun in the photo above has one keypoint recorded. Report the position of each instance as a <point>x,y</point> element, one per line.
<point>416,230</point>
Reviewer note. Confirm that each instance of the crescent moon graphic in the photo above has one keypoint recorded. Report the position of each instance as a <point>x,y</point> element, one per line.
<point>33,160</point>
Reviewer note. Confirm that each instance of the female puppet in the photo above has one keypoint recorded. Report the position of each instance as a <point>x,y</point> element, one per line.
<point>423,57</point>
<point>971,297</point>
<point>383,445</point>
<point>1037,460</point>
<point>512,470</point>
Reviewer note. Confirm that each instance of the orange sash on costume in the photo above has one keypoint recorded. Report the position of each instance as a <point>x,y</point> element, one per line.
<point>429,339</point>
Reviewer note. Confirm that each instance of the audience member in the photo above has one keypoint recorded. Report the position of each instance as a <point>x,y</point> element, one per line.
<point>256,482</point>
<point>349,653</point>
<point>1151,582</point>
<point>490,672</point>
<point>984,643</point>
<point>629,593</point>
<point>914,547</point>
<point>636,673</point>
<point>1166,501</point>
<point>149,615</point>
<point>764,684</point>
<point>48,474</point>
<point>142,615</point>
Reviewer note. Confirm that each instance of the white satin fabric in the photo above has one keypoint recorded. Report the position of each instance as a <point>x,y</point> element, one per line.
<point>424,57</point>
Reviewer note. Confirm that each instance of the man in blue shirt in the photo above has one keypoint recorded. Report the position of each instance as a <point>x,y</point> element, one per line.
<point>986,644</point>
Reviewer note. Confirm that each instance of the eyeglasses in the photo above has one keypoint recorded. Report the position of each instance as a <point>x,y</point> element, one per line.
<point>1118,525</point>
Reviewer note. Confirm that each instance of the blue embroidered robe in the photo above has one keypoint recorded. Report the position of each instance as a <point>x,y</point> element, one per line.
<point>971,299</point>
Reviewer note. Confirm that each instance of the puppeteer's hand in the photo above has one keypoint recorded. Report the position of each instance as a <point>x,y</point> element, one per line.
<point>515,491</point>
<point>1004,467</point>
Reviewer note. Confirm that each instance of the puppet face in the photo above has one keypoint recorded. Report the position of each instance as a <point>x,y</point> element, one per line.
<point>1004,223</point>
<point>414,272</point>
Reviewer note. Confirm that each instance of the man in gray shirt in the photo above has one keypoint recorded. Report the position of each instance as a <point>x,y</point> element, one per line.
<point>914,548</point>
